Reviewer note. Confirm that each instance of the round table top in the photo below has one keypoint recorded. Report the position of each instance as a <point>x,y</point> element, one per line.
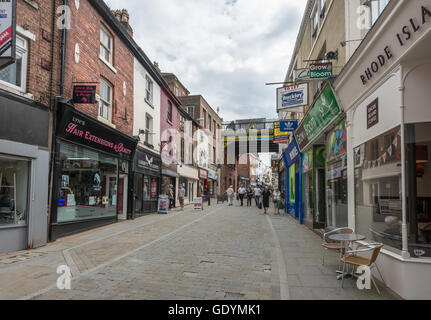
<point>346,237</point>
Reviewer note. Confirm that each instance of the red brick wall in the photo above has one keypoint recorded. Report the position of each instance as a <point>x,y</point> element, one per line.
<point>85,30</point>
<point>38,21</point>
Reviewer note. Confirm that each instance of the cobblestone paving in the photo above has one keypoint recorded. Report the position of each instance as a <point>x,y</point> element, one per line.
<point>220,253</point>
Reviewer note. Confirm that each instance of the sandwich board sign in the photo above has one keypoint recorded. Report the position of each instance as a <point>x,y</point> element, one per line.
<point>7,32</point>
<point>197,204</point>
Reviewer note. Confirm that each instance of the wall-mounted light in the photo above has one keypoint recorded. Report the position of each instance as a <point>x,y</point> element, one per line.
<point>344,42</point>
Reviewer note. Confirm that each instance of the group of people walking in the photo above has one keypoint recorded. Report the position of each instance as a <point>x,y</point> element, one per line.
<point>260,195</point>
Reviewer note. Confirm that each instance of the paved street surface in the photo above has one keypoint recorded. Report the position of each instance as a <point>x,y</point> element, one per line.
<point>219,253</point>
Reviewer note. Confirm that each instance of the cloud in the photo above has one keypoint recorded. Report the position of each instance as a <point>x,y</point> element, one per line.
<point>225,50</point>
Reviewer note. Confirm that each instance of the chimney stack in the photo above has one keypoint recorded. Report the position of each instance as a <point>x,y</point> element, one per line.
<point>156,65</point>
<point>124,17</point>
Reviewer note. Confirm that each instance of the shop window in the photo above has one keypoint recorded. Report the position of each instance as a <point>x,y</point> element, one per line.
<point>87,184</point>
<point>378,208</point>
<point>418,177</point>
<point>106,45</point>
<point>14,184</point>
<point>105,103</point>
<point>14,75</point>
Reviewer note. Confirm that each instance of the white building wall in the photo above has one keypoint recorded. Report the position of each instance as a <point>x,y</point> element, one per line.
<point>141,107</point>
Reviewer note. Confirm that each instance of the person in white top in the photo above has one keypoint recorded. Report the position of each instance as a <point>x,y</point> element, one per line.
<point>241,192</point>
<point>230,193</point>
<point>257,193</point>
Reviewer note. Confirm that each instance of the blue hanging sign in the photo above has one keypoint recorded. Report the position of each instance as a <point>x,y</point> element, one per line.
<point>288,126</point>
<point>292,153</point>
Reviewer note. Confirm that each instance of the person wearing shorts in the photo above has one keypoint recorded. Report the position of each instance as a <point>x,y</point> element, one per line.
<point>181,193</point>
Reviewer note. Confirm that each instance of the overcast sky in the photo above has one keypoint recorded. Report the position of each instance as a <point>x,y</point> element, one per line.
<point>225,50</point>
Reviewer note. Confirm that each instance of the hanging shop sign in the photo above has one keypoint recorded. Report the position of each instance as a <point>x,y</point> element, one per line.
<point>212,174</point>
<point>84,94</point>
<point>77,127</point>
<point>324,111</point>
<point>292,96</point>
<point>336,145</point>
<point>7,32</point>
<point>321,70</point>
<point>292,153</point>
<point>373,114</point>
<point>279,136</point>
<point>302,74</point>
<point>288,126</point>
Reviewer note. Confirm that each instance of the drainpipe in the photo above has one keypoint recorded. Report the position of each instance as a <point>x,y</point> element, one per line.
<point>405,247</point>
<point>63,55</point>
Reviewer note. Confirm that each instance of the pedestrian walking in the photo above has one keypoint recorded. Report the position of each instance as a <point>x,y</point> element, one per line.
<point>257,193</point>
<point>241,192</point>
<point>266,194</point>
<point>181,193</point>
<point>249,196</point>
<point>276,198</point>
<point>171,197</point>
<point>230,194</point>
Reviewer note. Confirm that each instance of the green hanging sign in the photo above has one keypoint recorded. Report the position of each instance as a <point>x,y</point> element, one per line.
<point>325,109</point>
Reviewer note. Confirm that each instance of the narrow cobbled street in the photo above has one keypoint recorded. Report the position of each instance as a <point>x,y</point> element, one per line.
<point>219,253</point>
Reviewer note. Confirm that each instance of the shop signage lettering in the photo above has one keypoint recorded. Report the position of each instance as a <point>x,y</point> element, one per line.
<point>84,94</point>
<point>292,96</point>
<point>292,153</point>
<point>288,126</point>
<point>279,136</point>
<point>373,114</point>
<point>86,131</point>
<point>323,112</point>
<point>405,35</point>
<point>320,70</point>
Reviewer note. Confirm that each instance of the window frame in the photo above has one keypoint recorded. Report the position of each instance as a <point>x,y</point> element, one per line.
<point>193,113</point>
<point>148,129</point>
<point>169,113</point>
<point>149,90</point>
<point>101,44</point>
<point>102,100</point>
<point>23,50</point>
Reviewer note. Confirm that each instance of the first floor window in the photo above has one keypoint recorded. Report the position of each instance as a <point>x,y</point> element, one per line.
<point>15,74</point>
<point>149,90</point>
<point>105,103</point>
<point>191,111</point>
<point>169,111</point>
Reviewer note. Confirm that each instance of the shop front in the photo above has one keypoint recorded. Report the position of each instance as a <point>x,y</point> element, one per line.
<point>24,172</point>
<point>212,182</point>
<point>282,181</point>
<point>91,175</point>
<point>336,177</point>
<point>311,140</point>
<point>292,160</point>
<point>203,182</point>
<point>169,178</point>
<point>188,177</point>
<point>386,96</point>
<point>146,182</point>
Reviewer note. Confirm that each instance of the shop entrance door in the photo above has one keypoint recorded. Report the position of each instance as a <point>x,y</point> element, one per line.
<point>122,197</point>
<point>320,205</point>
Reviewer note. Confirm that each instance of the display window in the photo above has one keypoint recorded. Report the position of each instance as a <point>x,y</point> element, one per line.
<point>14,186</point>
<point>87,184</point>
<point>378,203</point>
<point>418,171</point>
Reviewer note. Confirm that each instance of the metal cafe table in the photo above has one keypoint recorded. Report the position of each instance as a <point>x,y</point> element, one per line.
<point>346,238</point>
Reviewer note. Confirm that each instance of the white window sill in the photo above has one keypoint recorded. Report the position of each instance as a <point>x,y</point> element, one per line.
<point>13,89</point>
<point>110,66</point>
<point>101,119</point>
